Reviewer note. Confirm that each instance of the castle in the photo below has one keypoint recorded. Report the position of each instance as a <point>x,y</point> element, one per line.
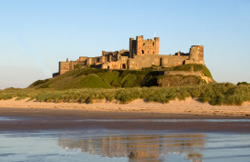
<point>142,53</point>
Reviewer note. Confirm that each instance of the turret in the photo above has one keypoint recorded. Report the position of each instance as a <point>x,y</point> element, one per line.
<point>196,53</point>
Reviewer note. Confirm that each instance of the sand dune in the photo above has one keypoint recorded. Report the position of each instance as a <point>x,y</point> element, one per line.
<point>189,106</point>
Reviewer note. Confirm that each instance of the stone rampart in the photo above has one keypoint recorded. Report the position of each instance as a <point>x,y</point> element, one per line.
<point>142,53</point>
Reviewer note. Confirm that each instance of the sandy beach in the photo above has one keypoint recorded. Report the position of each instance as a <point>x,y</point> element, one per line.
<point>189,108</point>
<point>45,116</point>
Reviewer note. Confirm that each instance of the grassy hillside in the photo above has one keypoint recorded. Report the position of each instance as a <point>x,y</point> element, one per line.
<point>103,78</point>
<point>196,67</point>
<point>179,80</point>
<point>89,85</point>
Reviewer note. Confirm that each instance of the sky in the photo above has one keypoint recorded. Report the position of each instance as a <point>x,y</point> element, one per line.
<point>36,35</point>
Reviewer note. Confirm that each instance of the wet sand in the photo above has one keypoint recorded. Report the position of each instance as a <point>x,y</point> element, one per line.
<point>50,119</point>
<point>51,116</point>
<point>59,123</point>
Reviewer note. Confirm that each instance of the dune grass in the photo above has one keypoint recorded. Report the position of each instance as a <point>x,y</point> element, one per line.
<point>225,94</point>
<point>243,83</point>
<point>215,94</point>
<point>20,94</point>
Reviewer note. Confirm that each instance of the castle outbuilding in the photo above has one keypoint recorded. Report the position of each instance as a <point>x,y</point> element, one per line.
<point>142,53</point>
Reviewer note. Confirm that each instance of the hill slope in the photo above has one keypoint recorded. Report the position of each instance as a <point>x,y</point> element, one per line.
<point>103,78</point>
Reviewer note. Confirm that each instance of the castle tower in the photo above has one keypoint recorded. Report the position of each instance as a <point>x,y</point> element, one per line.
<point>143,47</point>
<point>156,45</point>
<point>196,53</point>
<point>132,47</point>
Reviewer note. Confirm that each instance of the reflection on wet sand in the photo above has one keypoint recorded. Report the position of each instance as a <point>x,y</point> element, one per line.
<point>140,147</point>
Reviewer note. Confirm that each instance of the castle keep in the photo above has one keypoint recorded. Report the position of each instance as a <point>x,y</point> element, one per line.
<point>142,53</point>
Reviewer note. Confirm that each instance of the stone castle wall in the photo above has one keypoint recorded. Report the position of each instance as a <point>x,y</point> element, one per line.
<point>141,61</point>
<point>142,53</point>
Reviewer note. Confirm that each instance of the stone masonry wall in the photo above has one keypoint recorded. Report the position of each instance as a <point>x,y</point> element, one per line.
<point>142,53</point>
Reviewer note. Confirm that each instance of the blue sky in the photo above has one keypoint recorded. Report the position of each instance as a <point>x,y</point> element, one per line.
<point>36,35</point>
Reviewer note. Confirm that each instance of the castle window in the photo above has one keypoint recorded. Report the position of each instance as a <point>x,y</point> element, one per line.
<point>143,44</point>
<point>153,44</point>
<point>142,51</point>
